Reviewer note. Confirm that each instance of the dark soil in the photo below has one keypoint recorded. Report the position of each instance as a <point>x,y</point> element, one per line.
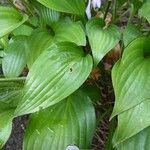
<point>16,139</point>
<point>103,107</point>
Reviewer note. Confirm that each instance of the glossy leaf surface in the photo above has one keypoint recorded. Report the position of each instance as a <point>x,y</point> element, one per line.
<point>70,122</point>
<point>67,31</point>
<point>38,42</point>
<point>138,142</point>
<point>101,39</point>
<point>10,95</point>
<point>5,125</point>
<point>15,58</point>
<point>130,33</point>
<point>23,30</point>
<point>74,6</point>
<point>10,19</point>
<point>62,31</point>
<point>10,91</point>
<point>145,11</point>
<point>58,72</point>
<point>131,76</point>
<point>47,15</point>
<point>132,122</point>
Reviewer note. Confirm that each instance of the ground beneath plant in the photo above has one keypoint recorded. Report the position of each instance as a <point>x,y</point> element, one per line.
<point>103,107</point>
<point>100,77</point>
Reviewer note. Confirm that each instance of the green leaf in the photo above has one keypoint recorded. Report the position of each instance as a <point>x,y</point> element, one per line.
<point>145,11</point>
<point>10,91</point>
<point>38,42</point>
<point>67,31</point>
<point>121,2</point>
<point>131,76</point>
<point>47,15</point>
<point>58,72</point>
<point>132,122</point>
<point>61,31</point>
<point>4,41</point>
<point>74,6</point>
<point>16,57</point>
<point>10,95</point>
<point>111,129</point>
<point>10,19</point>
<point>130,33</point>
<point>70,122</point>
<point>34,21</point>
<point>93,92</point>
<point>136,5</point>
<point>5,125</point>
<point>1,74</point>
<point>138,142</point>
<point>101,39</point>
<point>23,30</point>
<point>2,53</point>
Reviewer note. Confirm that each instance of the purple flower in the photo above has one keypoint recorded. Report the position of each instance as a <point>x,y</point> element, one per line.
<point>92,4</point>
<point>96,3</point>
<point>88,10</point>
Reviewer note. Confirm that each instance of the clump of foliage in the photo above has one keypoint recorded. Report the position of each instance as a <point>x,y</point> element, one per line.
<point>48,49</point>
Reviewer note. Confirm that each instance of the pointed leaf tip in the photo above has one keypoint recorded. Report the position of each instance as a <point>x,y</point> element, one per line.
<point>58,72</point>
<point>10,19</point>
<point>129,76</point>
<point>67,125</point>
<point>101,39</point>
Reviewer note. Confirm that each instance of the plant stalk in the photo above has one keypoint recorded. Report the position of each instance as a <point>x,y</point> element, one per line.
<point>107,9</point>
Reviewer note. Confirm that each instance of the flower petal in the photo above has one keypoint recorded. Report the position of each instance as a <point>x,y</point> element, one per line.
<point>96,3</point>
<point>88,10</point>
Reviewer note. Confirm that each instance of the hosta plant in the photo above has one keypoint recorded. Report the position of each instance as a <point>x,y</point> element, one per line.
<point>48,51</point>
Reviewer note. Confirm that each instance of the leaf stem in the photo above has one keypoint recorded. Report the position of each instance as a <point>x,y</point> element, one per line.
<point>131,14</point>
<point>114,10</point>
<point>13,79</point>
<point>112,128</point>
<point>107,9</point>
<point>11,3</point>
<point>28,8</point>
